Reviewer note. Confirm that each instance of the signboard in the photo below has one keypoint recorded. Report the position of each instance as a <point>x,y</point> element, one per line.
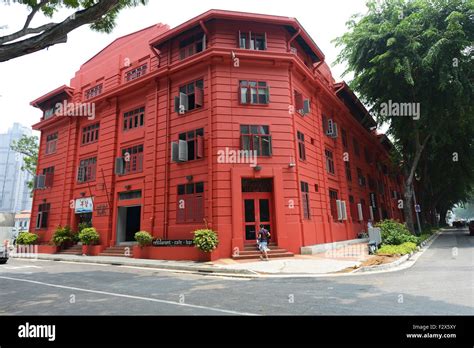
<point>84,205</point>
<point>177,242</point>
<point>102,209</point>
<point>373,200</point>
<point>417,208</point>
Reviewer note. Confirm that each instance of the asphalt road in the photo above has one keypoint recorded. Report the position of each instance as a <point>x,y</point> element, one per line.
<point>440,283</point>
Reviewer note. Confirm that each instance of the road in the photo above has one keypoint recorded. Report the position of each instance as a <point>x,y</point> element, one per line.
<point>440,283</point>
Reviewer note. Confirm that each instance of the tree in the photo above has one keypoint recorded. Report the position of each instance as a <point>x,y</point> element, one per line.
<point>28,147</point>
<point>100,14</point>
<point>413,54</point>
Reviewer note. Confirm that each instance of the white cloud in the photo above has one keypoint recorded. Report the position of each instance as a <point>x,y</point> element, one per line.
<point>26,78</point>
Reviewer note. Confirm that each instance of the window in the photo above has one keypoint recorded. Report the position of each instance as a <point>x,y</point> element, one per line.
<point>192,45</point>
<point>86,170</point>
<point>302,105</point>
<point>48,113</point>
<point>380,187</point>
<point>133,158</point>
<point>305,197</point>
<point>344,139</point>
<point>51,142</point>
<point>353,209</point>
<point>347,166</point>
<point>333,203</point>
<point>42,217</point>
<point>134,119</point>
<point>136,73</point>
<point>360,177</point>
<point>130,195</point>
<point>93,92</point>
<point>254,92</point>
<point>329,162</point>
<point>49,175</point>
<point>190,204</point>
<point>256,138</point>
<point>252,41</point>
<point>301,146</point>
<point>367,155</point>
<point>195,143</point>
<point>371,182</point>
<point>90,134</point>
<point>191,96</point>
<point>356,147</point>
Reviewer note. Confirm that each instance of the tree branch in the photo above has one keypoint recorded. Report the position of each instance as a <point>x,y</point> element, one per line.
<point>56,33</point>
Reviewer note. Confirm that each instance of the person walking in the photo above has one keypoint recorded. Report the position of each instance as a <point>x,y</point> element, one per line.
<point>263,237</point>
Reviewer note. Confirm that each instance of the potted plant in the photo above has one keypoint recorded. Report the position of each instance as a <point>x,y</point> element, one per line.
<point>62,237</point>
<point>206,240</point>
<point>144,239</point>
<point>24,240</point>
<point>88,236</point>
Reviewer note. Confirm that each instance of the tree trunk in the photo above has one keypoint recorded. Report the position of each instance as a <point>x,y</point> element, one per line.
<point>408,208</point>
<point>442,217</point>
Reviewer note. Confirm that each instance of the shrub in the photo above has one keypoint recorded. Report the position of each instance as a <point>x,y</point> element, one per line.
<point>401,249</point>
<point>395,233</point>
<point>62,235</point>
<point>143,238</point>
<point>89,236</point>
<point>205,240</point>
<point>83,225</point>
<point>26,238</point>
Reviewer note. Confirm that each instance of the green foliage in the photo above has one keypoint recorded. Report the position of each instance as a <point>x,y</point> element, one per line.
<point>395,233</point>
<point>89,236</point>
<point>83,225</point>
<point>206,240</point>
<point>143,238</point>
<point>28,147</point>
<point>402,249</point>
<point>418,51</point>
<point>26,238</point>
<point>62,235</point>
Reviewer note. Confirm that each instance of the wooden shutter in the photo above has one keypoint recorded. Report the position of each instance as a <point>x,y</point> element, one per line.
<point>200,146</point>
<point>265,43</point>
<point>360,212</point>
<point>330,127</point>
<point>180,212</point>
<point>299,104</point>
<point>344,210</point>
<point>199,96</point>
<point>306,106</point>
<point>239,41</point>
<point>183,101</point>
<point>41,181</point>
<point>182,150</point>
<point>251,42</point>
<point>119,166</point>
<point>174,152</point>
<point>176,104</point>
<point>199,210</point>
<point>190,208</point>
<point>267,95</point>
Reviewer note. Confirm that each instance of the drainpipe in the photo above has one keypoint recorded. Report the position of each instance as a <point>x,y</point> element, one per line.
<point>167,147</point>
<point>209,145</point>
<point>154,157</point>
<point>288,47</point>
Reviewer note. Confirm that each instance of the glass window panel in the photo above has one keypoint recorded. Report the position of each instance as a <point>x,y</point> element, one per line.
<point>249,210</point>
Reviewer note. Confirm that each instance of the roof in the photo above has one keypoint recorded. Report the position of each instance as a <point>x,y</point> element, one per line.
<point>56,92</point>
<point>358,110</point>
<point>290,22</point>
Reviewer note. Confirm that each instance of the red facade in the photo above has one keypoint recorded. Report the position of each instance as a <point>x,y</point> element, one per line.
<point>179,114</point>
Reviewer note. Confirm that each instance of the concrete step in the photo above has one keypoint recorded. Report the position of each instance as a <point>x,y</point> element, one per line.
<point>117,251</point>
<point>257,256</point>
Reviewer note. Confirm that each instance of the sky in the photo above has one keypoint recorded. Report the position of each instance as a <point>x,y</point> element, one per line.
<point>26,78</point>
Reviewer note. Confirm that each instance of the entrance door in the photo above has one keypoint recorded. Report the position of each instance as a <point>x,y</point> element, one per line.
<point>257,211</point>
<point>128,223</point>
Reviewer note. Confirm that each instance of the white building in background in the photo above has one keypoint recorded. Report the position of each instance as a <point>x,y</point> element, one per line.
<point>14,191</point>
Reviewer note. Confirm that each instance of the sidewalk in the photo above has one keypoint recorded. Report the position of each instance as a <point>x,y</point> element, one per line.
<point>344,259</point>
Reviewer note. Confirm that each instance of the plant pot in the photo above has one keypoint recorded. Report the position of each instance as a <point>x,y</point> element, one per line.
<point>140,252</point>
<point>85,249</point>
<point>204,256</point>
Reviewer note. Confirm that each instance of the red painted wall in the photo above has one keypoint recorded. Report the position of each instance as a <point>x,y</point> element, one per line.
<point>220,117</point>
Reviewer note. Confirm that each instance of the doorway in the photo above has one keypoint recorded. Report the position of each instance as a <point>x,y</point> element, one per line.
<point>257,208</point>
<point>128,223</point>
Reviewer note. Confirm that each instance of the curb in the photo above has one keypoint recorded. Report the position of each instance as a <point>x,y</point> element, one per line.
<point>185,268</point>
<point>421,248</point>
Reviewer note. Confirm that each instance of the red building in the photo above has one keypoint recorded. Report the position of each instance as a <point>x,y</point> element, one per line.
<point>175,117</point>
